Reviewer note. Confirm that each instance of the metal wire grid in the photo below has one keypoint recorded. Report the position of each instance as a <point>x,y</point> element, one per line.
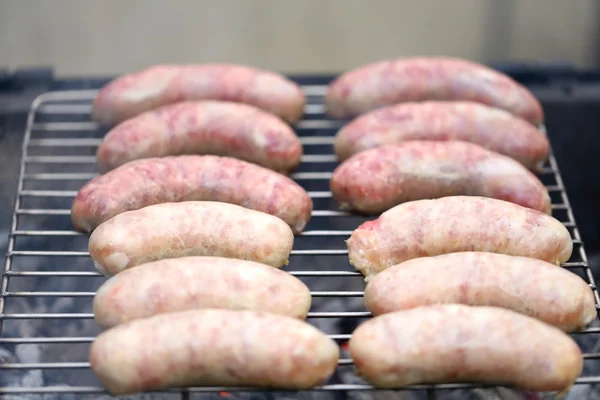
<point>60,137</point>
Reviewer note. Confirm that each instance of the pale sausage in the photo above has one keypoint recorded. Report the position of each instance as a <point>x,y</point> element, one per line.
<point>454,224</point>
<point>458,343</point>
<point>194,228</point>
<point>213,348</point>
<point>188,283</point>
<point>525,285</point>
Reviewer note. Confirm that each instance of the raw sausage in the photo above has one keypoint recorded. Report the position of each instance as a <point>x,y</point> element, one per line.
<point>208,127</point>
<point>525,285</point>
<point>134,93</point>
<point>150,181</point>
<point>187,283</point>
<point>492,128</point>
<point>458,343</point>
<point>454,224</point>
<point>428,78</point>
<point>213,348</point>
<point>193,228</point>
<point>378,179</point>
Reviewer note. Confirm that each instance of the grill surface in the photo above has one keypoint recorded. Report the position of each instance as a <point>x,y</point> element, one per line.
<point>46,323</point>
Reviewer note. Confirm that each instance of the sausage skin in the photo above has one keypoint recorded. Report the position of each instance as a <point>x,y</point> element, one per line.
<point>213,348</point>
<point>455,224</point>
<point>193,228</point>
<point>144,182</point>
<point>134,93</point>
<point>188,283</point>
<point>208,127</point>
<point>458,343</point>
<point>402,80</point>
<point>525,285</point>
<point>492,128</point>
<point>376,180</point>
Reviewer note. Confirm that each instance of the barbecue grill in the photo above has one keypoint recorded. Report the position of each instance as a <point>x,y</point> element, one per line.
<point>48,281</point>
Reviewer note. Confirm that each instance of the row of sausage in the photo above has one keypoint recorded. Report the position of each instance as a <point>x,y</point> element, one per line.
<point>215,317</point>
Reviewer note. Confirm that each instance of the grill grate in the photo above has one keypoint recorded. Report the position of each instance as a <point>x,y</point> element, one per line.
<point>48,280</point>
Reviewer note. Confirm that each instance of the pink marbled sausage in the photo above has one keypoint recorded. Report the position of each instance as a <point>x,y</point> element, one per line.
<point>428,78</point>
<point>455,224</point>
<point>213,348</point>
<point>458,343</point>
<point>532,287</point>
<point>193,228</point>
<point>375,180</point>
<point>492,128</point>
<point>150,181</point>
<point>208,127</point>
<point>187,283</point>
<point>134,93</point>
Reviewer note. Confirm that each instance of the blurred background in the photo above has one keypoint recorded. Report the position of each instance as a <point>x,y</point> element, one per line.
<point>111,36</point>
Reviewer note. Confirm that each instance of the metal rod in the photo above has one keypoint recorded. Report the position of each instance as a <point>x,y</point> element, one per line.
<point>49,294</point>
<point>326,252</point>
<point>74,274</point>
<point>90,339</point>
<point>47,365</point>
<point>46,233</point>
<point>65,142</point>
<point>315,176</point>
<point>95,142</point>
<point>333,314</point>
<point>51,253</point>
<point>47,340</point>
<point>85,109</point>
<point>60,176</point>
<point>48,253</point>
<point>64,126</point>
<point>87,274</point>
<point>47,316</point>
<point>44,212</point>
<point>323,293</point>
<point>81,365</point>
<point>318,124</point>
<point>307,158</point>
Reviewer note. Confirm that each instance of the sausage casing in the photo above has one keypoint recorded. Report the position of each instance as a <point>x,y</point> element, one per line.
<point>378,179</point>
<point>193,228</point>
<point>187,283</point>
<point>428,78</point>
<point>454,224</point>
<point>213,347</point>
<point>492,128</point>
<point>207,127</point>
<point>150,181</point>
<point>134,93</point>
<point>525,285</point>
<point>458,343</point>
